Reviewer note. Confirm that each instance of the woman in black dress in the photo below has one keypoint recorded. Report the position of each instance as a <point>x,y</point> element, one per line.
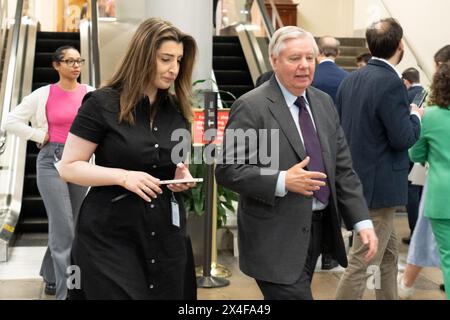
<point>130,241</point>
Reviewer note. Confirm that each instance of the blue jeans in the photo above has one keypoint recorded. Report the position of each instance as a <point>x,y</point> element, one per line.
<point>62,202</point>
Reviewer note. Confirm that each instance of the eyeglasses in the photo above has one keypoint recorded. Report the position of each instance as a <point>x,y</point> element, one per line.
<point>71,62</point>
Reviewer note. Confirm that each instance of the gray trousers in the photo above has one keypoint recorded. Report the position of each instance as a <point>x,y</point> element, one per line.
<point>381,271</point>
<point>62,202</point>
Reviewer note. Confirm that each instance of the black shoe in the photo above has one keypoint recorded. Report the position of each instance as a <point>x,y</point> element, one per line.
<point>329,263</point>
<point>442,287</point>
<point>50,289</point>
<point>406,240</point>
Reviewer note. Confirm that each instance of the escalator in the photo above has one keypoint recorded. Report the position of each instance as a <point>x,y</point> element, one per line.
<point>33,217</point>
<point>230,68</point>
<point>27,66</point>
<point>46,44</point>
<point>17,72</point>
<point>240,54</point>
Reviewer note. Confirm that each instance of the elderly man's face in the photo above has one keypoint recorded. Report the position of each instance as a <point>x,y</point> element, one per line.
<point>295,65</point>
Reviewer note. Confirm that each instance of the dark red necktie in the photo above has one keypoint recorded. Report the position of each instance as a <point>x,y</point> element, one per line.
<point>312,147</point>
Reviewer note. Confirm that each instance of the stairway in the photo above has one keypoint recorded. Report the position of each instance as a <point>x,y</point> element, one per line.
<point>33,217</point>
<point>230,68</point>
<point>350,48</point>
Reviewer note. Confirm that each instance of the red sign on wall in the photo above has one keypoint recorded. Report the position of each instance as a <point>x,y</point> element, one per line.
<point>198,126</point>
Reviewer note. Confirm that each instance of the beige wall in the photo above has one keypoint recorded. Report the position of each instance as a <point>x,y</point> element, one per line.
<point>326,17</point>
<point>191,16</point>
<point>45,11</point>
<point>424,28</point>
<point>46,14</point>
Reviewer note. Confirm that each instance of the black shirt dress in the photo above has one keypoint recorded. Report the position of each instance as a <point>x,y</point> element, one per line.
<point>125,247</point>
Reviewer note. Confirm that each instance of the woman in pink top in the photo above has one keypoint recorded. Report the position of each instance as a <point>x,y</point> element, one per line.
<point>51,110</point>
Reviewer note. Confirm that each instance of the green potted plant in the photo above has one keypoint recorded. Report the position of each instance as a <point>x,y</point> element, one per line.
<point>197,98</point>
<point>194,199</point>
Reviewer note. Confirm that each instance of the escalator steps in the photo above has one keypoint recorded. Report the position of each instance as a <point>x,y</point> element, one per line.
<point>33,217</point>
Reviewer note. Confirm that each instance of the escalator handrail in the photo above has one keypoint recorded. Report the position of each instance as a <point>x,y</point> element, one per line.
<point>89,45</point>
<point>268,24</point>
<point>419,61</point>
<point>7,89</point>
<point>95,44</point>
<point>17,83</point>
<point>3,26</point>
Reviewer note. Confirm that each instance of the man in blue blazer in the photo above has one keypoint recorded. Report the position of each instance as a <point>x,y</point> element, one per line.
<point>328,76</point>
<point>380,126</point>
<point>411,79</point>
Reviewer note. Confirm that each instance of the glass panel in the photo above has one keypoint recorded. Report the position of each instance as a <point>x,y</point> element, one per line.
<point>76,10</point>
<point>247,14</point>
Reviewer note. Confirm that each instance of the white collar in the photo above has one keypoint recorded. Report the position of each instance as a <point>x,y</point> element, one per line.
<point>288,96</point>
<point>327,60</point>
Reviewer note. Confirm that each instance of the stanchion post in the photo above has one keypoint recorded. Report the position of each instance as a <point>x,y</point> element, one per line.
<point>207,280</point>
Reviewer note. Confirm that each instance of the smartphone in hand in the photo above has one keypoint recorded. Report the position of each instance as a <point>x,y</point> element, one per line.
<point>181,181</point>
<point>420,98</point>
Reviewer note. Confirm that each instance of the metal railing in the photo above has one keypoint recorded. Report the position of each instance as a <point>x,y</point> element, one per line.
<point>89,45</point>
<point>16,83</point>
<point>254,41</point>
<point>3,29</point>
<point>270,23</point>
<point>420,63</point>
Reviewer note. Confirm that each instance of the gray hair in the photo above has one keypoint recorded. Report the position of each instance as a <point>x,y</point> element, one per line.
<point>286,33</point>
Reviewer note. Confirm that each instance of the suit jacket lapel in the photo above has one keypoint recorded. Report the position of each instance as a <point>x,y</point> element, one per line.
<point>281,113</point>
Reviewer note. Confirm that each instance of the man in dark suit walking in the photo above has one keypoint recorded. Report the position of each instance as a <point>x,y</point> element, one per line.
<point>263,78</point>
<point>328,75</point>
<point>380,126</point>
<point>293,202</point>
<point>411,79</point>
<point>363,59</point>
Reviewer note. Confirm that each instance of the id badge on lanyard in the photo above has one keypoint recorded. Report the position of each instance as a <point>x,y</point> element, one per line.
<point>175,211</point>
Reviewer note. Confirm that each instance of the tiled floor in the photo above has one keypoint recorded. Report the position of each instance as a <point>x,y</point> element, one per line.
<point>19,278</point>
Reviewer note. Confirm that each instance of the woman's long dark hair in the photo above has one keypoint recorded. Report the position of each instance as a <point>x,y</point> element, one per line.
<point>138,68</point>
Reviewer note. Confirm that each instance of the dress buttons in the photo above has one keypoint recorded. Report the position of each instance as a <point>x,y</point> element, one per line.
<point>153,261</point>
<point>152,233</point>
<point>152,206</point>
<point>151,286</point>
<point>154,166</point>
<point>156,145</point>
<point>155,128</point>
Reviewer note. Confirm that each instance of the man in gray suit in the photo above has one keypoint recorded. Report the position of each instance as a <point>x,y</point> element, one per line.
<point>286,210</point>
